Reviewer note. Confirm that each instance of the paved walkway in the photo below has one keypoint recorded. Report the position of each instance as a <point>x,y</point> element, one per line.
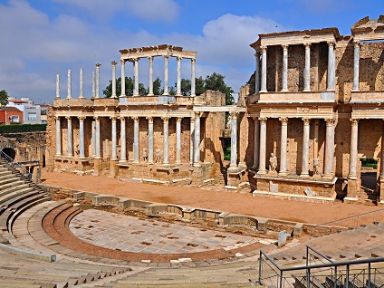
<point>219,199</point>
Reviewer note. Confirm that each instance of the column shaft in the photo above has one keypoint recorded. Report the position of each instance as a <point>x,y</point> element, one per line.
<point>123,141</point>
<point>114,139</point>
<point>196,144</point>
<point>69,84</point>
<point>166,92</point>
<point>93,84</point>
<point>113,79</point>
<point>285,69</point>
<point>58,136</point>
<point>136,139</point>
<point>263,69</point>
<point>178,81</point>
<point>81,94</point>
<point>81,137</point>
<point>98,140</point>
<point>165,140</point>
<point>283,147</point>
<point>307,68</point>
<point>57,86</point>
<point>93,136</point>
<point>150,139</point>
<point>122,84</point>
<point>256,143</point>
<point>233,163</point>
<point>69,137</point>
<point>178,140</point>
<point>136,77</point>
<point>331,67</point>
<point>257,72</point>
<point>356,66</point>
<point>150,76</point>
<point>97,80</point>
<point>263,145</point>
<point>191,138</point>
<point>354,147</point>
<point>329,148</point>
<point>193,77</point>
<point>305,155</point>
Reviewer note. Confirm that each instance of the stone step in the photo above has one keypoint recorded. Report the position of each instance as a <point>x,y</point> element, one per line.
<point>11,198</point>
<point>8,179</point>
<point>12,184</point>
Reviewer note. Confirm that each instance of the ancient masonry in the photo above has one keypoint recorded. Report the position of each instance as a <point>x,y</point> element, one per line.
<point>311,111</point>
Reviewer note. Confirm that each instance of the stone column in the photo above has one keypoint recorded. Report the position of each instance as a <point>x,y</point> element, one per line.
<point>93,138</point>
<point>329,148</point>
<point>382,158</point>
<point>98,140</point>
<point>191,139</point>
<point>97,80</point>
<point>257,72</point>
<point>316,140</point>
<point>81,137</point>
<point>285,69</point>
<point>123,141</point>
<point>178,140</point>
<point>283,147</point>
<point>256,143</point>
<point>93,84</point>
<point>136,139</point>
<point>193,77</point>
<point>136,77</point>
<point>57,86</point>
<point>263,69</point>
<point>178,81</point>
<point>331,67</point>
<point>69,84</point>
<point>356,66</point>
<point>305,155</point>
<point>58,136</point>
<point>69,137</point>
<point>233,163</point>
<point>81,88</point>
<point>122,79</point>
<point>196,144</point>
<point>114,80</point>
<point>263,145</point>
<point>165,140</point>
<point>150,139</point>
<point>150,76</point>
<point>354,149</point>
<point>166,92</point>
<point>114,139</point>
<point>307,68</point>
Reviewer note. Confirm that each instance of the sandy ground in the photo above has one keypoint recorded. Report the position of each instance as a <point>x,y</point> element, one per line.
<point>219,199</point>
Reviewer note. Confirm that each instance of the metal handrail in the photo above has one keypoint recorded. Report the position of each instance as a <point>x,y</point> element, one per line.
<point>15,165</point>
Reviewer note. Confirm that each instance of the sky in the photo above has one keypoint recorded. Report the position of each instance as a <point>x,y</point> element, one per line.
<point>40,38</point>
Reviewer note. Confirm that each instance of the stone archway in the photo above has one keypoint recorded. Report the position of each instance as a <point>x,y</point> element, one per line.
<point>10,152</point>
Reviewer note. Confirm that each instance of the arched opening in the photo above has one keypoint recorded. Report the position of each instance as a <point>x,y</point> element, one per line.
<point>8,153</point>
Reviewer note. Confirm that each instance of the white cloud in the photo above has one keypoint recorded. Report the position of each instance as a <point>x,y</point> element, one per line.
<point>36,47</point>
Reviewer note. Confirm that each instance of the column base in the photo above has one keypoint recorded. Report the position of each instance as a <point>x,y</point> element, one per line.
<point>261,172</point>
<point>283,173</point>
<point>284,90</point>
<point>304,175</point>
<point>263,91</point>
<point>197,164</point>
<point>307,90</point>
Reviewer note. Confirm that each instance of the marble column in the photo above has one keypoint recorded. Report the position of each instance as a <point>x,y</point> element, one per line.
<point>257,72</point>
<point>305,155</point>
<point>283,147</point>
<point>58,136</point>
<point>122,79</point>
<point>233,163</point>
<point>285,69</point>
<point>307,68</point>
<point>166,60</point>
<point>196,144</point>
<point>329,148</point>
<point>93,138</point>
<point>178,140</point>
<point>97,80</point>
<point>123,141</point>
<point>57,86</point>
<point>256,143</point>
<point>98,138</point>
<point>81,81</point>
<point>178,77</point>
<point>136,77</point>
<point>69,84</point>
<point>356,66</point>
<point>191,139</point>
<point>69,137</point>
<point>165,140</point>
<point>193,77</point>
<point>93,84</point>
<point>331,67</point>
<point>150,76</point>
<point>354,149</point>
<point>263,69</point>
<point>114,139</point>
<point>114,80</point>
<point>81,137</point>
<point>136,132</point>
<point>150,139</point>
<point>263,146</point>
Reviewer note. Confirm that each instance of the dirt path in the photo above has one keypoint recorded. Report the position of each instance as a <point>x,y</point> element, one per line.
<point>216,199</point>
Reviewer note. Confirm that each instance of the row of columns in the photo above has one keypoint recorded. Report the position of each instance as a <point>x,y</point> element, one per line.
<point>262,87</point>
<point>135,62</point>
<point>260,148</point>
<point>96,139</point>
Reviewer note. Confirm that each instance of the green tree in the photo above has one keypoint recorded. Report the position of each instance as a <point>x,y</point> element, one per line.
<point>185,87</point>
<point>200,86</point>
<point>3,97</point>
<point>157,87</point>
<point>216,82</point>
<point>128,87</point>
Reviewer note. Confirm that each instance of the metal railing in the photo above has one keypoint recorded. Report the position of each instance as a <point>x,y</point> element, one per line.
<point>321,271</point>
<point>25,173</point>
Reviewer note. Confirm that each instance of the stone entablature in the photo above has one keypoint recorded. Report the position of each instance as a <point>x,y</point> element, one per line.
<point>368,29</point>
<point>159,50</point>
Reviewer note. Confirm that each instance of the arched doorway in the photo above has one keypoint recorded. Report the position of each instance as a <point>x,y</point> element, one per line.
<point>9,152</point>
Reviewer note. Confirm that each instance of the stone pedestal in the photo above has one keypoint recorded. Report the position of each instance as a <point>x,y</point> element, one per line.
<point>97,163</point>
<point>113,168</point>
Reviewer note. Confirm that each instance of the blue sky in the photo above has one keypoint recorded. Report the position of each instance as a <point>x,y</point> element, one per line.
<point>41,38</point>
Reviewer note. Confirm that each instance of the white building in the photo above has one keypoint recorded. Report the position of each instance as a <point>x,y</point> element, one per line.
<point>31,112</point>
